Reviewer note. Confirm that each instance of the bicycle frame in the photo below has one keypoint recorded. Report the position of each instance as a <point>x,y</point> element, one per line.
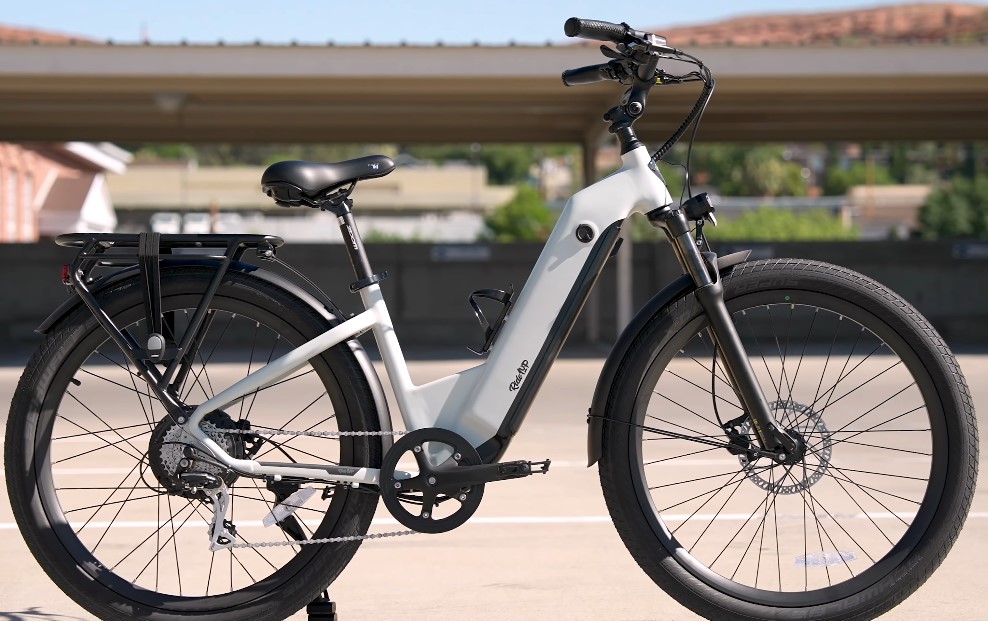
<point>484,404</point>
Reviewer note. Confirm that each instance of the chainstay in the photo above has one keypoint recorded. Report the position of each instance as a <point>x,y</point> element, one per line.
<point>324,540</point>
<point>283,432</point>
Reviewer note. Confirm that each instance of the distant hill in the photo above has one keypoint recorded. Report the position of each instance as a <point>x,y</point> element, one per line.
<point>16,34</point>
<point>906,23</point>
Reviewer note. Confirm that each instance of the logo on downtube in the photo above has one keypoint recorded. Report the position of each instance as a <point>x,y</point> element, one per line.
<point>522,370</point>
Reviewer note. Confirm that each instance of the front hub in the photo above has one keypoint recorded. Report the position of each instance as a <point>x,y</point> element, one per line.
<point>795,473</point>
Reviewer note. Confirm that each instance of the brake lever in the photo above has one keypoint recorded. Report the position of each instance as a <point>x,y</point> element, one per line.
<point>663,78</point>
<point>610,53</point>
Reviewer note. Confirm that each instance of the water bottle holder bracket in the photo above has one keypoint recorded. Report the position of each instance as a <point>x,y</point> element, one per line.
<point>491,330</point>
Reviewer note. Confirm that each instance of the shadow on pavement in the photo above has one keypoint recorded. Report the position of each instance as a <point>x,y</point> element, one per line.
<point>32,613</point>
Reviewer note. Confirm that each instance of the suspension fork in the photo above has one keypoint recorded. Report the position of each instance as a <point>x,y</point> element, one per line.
<point>702,267</point>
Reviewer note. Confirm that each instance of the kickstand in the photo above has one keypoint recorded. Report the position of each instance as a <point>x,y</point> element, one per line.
<point>322,608</point>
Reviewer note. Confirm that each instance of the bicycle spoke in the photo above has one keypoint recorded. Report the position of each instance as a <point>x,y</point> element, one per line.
<point>100,419</point>
<point>714,519</point>
<point>107,444</point>
<point>806,341</point>
<point>203,361</point>
<point>703,418</point>
<point>93,433</point>
<point>253,395</point>
<point>761,354</point>
<point>798,504</point>
<point>310,428</point>
<point>700,495</point>
<point>250,361</point>
<point>658,461</point>
<point>115,502</point>
<point>783,384</point>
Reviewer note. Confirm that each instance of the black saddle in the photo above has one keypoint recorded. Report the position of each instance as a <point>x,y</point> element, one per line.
<point>295,183</point>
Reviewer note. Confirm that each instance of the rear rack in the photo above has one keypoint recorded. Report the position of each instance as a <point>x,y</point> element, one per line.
<point>95,245</point>
<point>144,250</point>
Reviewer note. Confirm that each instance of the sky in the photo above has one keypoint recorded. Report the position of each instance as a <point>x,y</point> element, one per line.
<point>386,21</point>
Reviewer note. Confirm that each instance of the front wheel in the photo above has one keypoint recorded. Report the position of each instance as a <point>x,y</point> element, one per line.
<point>873,505</point>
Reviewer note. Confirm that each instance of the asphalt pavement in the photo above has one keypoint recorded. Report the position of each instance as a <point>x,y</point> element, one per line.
<point>538,548</point>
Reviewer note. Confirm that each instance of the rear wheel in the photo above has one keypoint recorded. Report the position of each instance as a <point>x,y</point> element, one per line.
<point>867,513</point>
<point>92,459</point>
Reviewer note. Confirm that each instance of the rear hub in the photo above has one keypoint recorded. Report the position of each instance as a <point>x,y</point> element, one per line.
<point>172,452</point>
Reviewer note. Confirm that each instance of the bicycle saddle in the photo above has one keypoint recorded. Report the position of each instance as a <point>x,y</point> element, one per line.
<point>315,179</point>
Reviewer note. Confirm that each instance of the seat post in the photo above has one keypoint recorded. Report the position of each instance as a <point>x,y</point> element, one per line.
<point>342,209</point>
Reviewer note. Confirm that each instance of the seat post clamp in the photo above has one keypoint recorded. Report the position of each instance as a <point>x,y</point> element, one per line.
<point>366,282</point>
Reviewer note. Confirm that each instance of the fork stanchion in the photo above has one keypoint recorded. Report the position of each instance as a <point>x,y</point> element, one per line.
<point>322,609</point>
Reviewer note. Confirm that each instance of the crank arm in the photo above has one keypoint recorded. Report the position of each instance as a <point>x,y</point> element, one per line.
<point>466,476</point>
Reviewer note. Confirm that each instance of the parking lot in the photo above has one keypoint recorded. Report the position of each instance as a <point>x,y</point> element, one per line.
<point>539,548</point>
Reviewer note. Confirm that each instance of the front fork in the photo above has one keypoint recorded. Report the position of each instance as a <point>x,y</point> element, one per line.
<point>702,267</point>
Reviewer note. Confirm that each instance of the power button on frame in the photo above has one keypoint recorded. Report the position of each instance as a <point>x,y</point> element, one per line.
<point>584,233</point>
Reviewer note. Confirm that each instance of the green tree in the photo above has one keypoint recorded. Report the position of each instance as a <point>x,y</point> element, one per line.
<point>523,218</point>
<point>741,170</point>
<point>774,224</point>
<point>505,164</point>
<point>956,210</point>
<point>839,180</point>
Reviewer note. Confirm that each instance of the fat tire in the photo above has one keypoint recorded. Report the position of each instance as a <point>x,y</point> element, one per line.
<point>630,516</point>
<point>322,563</point>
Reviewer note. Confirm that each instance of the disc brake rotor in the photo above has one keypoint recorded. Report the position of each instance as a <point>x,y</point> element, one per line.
<point>808,425</point>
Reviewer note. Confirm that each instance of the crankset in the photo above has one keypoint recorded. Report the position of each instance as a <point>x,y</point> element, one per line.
<point>449,484</point>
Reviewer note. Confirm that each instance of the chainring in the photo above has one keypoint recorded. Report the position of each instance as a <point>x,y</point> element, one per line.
<point>435,451</point>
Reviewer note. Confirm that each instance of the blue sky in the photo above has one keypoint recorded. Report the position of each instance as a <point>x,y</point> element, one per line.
<point>357,21</point>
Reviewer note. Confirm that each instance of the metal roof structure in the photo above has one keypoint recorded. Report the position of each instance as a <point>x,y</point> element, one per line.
<point>447,94</point>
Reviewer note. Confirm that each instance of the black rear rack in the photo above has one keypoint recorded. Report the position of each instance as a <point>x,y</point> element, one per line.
<point>144,250</point>
<point>95,245</point>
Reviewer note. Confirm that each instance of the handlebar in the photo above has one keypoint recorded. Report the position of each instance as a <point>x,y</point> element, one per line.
<point>596,30</point>
<point>635,64</point>
<point>588,75</point>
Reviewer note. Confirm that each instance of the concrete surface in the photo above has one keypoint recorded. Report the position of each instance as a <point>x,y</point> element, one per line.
<point>538,548</point>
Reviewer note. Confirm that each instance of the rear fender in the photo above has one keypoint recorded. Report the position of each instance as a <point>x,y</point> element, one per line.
<point>322,305</point>
<point>608,374</point>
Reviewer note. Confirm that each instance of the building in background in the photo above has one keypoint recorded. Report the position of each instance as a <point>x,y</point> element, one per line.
<point>425,202</point>
<point>49,189</point>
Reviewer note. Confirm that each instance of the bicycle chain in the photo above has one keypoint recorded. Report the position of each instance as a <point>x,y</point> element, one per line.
<point>301,542</point>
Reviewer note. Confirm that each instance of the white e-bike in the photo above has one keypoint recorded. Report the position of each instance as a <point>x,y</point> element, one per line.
<point>201,438</point>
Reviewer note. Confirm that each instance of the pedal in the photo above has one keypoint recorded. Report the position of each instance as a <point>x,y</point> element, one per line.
<point>465,476</point>
<point>517,469</point>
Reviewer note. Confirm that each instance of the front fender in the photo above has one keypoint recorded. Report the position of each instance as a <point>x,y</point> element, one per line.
<point>322,305</point>
<point>669,294</point>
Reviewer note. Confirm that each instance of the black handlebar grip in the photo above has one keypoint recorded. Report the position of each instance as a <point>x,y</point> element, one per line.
<point>586,75</point>
<point>595,30</point>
